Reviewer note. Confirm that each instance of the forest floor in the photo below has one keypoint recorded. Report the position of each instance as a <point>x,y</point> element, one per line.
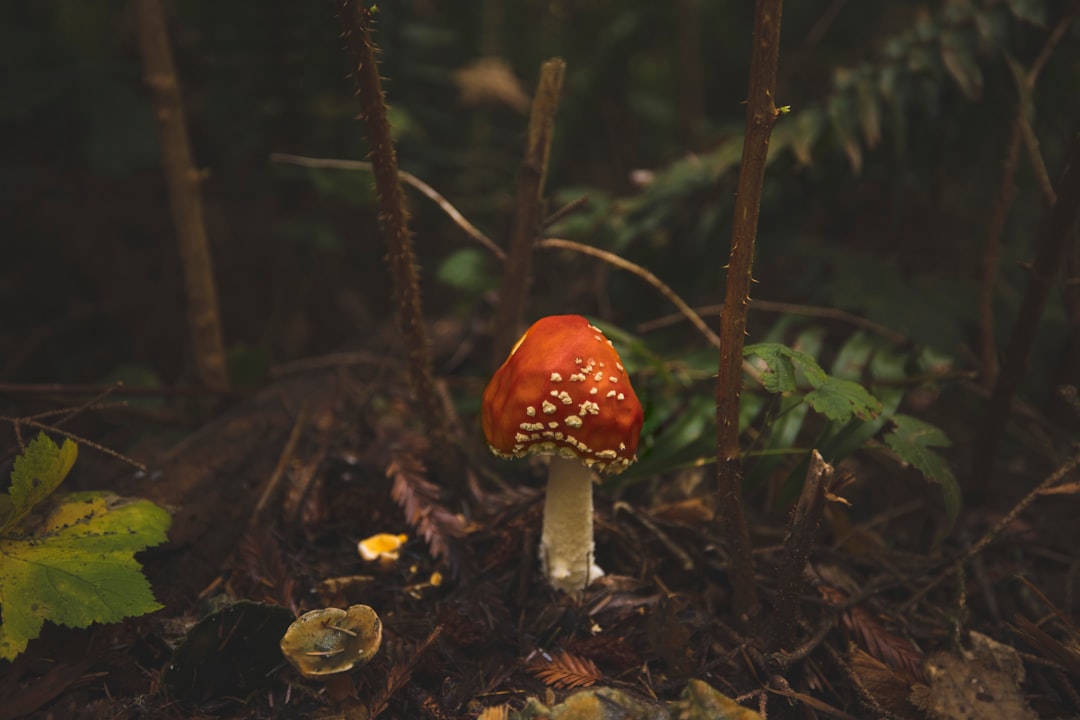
<point>270,499</point>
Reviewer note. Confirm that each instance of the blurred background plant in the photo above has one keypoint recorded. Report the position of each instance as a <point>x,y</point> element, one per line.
<point>881,182</point>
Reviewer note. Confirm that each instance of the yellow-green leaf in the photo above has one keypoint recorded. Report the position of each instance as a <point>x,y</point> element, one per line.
<point>80,567</point>
<point>36,473</point>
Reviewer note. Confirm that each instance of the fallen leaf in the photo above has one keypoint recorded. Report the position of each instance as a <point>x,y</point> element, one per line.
<point>983,683</point>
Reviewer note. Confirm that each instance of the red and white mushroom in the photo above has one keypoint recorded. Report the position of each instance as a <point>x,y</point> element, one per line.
<point>564,392</point>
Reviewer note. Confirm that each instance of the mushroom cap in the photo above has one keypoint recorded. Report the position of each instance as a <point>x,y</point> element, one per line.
<point>332,640</point>
<point>563,390</point>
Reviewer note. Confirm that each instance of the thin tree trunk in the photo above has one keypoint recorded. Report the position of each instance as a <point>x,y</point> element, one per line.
<point>185,196</point>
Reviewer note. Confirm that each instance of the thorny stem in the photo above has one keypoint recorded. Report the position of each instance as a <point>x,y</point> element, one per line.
<point>356,21</point>
<point>182,178</point>
<point>1052,243</point>
<point>761,114</point>
<point>517,274</point>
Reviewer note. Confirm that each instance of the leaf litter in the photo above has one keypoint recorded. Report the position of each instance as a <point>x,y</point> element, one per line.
<point>495,637</point>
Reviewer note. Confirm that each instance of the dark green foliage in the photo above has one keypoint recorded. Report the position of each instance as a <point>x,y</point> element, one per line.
<point>913,440</point>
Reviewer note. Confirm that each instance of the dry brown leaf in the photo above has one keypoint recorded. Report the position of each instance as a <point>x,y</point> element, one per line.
<point>870,635</point>
<point>565,671</point>
<point>692,511</point>
<point>491,81</point>
<point>982,683</point>
<point>895,651</point>
<point>887,687</point>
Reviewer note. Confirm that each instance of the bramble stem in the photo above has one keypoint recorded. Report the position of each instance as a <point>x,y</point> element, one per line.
<point>356,21</point>
<point>761,114</point>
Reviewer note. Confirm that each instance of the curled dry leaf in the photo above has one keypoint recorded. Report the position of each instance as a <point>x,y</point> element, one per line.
<point>889,688</point>
<point>868,633</point>
<point>565,671</point>
<point>983,682</point>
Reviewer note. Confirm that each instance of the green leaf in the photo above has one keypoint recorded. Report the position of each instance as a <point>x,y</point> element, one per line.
<point>79,569</point>
<point>780,360</point>
<point>36,473</point>
<point>691,432</point>
<point>466,270</point>
<point>912,440</point>
<point>839,399</point>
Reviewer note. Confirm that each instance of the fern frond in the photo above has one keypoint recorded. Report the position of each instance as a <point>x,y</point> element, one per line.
<point>565,671</point>
<point>419,497</point>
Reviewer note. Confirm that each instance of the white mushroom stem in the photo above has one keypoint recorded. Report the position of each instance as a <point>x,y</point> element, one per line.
<point>566,544</point>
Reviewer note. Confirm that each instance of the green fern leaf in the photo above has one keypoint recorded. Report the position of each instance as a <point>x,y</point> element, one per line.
<point>839,399</point>
<point>913,441</point>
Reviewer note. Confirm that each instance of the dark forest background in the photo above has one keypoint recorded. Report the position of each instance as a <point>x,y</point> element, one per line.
<point>909,180</point>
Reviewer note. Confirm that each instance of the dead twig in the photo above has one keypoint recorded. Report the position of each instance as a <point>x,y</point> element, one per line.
<point>993,533</point>
<point>409,179</point>
<point>528,208</point>
<point>773,306</point>
<point>550,243</point>
<point>274,482</point>
<point>567,209</point>
<point>624,264</point>
<point>17,423</point>
<point>804,523</point>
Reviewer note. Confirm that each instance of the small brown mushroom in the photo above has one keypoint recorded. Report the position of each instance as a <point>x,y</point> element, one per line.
<point>332,640</point>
